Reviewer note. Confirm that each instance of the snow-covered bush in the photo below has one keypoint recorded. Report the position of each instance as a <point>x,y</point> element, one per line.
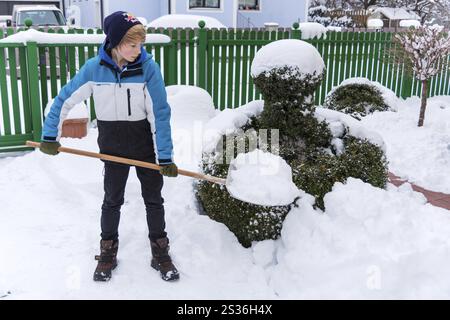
<point>323,15</point>
<point>357,100</point>
<point>359,97</point>
<point>288,82</point>
<point>321,146</point>
<point>319,14</point>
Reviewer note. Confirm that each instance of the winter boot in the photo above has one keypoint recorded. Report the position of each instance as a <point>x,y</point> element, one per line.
<point>161,260</point>
<point>107,260</point>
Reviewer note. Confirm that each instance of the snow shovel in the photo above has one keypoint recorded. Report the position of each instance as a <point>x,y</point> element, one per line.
<point>255,194</point>
<point>131,162</point>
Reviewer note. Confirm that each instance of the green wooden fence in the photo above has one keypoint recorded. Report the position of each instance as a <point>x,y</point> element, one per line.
<point>217,60</point>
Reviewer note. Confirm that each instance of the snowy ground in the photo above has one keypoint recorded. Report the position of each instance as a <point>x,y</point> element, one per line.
<point>421,156</point>
<point>370,243</point>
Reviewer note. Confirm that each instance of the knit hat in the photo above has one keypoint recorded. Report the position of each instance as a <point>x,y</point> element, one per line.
<point>116,26</point>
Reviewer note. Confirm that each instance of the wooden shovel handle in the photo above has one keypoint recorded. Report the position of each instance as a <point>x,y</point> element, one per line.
<point>131,162</point>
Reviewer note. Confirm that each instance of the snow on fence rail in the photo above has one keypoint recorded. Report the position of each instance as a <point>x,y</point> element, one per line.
<point>216,60</point>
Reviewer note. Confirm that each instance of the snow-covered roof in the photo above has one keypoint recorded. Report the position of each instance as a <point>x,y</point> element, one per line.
<point>184,21</point>
<point>44,37</point>
<point>396,13</point>
<point>36,7</point>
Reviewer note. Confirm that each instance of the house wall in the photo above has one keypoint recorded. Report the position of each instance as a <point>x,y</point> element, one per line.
<point>149,9</point>
<point>90,12</point>
<point>91,15</point>
<point>283,12</point>
<point>225,14</point>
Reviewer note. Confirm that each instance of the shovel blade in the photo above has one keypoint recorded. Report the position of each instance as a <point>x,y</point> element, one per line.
<point>250,184</point>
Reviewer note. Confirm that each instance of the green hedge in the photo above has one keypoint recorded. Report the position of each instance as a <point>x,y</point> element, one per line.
<point>356,99</point>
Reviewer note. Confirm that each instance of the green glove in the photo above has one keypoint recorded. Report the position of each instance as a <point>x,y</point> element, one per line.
<point>169,170</point>
<point>50,148</point>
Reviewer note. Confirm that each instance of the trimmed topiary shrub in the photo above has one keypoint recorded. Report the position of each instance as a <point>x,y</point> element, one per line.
<point>318,147</point>
<point>288,84</point>
<point>356,99</point>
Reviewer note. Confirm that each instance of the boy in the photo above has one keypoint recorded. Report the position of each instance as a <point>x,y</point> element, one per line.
<point>133,119</point>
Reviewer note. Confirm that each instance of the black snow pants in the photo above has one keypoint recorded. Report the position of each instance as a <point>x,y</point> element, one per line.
<point>117,140</point>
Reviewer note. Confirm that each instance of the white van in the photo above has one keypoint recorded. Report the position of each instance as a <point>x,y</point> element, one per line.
<point>40,15</point>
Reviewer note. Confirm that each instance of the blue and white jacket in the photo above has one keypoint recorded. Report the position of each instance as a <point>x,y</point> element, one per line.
<point>133,114</point>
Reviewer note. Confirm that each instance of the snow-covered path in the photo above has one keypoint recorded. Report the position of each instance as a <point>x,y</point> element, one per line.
<point>419,155</point>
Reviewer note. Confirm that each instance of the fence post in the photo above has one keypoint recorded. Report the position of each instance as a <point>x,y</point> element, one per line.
<point>33,85</point>
<point>202,45</point>
<point>172,55</point>
<point>296,32</point>
<point>407,83</point>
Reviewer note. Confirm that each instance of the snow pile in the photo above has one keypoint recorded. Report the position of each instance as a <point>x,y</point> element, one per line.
<point>188,101</point>
<point>191,108</point>
<point>312,30</point>
<point>184,21</point>
<point>229,121</point>
<point>45,37</point>
<point>389,97</point>
<point>261,178</point>
<point>370,244</point>
<point>375,23</point>
<point>340,123</point>
<point>420,155</point>
<point>296,54</point>
<point>334,28</point>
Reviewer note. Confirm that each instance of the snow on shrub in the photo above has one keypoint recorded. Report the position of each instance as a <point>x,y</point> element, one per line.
<point>249,222</point>
<point>287,70</point>
<point>359,97</point>
<point>321,146</point>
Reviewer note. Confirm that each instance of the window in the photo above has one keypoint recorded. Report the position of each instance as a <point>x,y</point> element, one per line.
<point>41,17</point>
<point>209,4</point>
<point>248,4</point>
